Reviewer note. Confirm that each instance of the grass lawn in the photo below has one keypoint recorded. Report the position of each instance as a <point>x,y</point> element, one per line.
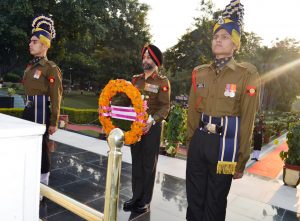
<point>90,133</point>
<point>86,100</point>
<point>76,100</point>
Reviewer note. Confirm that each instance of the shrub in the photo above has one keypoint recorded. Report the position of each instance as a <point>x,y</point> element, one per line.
<point>12,77</point>
<point>16,112</point>
<point>176,129</point>
<point>292,156</point>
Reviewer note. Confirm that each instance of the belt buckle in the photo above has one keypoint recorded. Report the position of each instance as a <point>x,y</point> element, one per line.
<point>211,128</point>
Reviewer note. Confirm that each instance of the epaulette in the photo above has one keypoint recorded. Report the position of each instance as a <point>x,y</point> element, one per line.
<point>250,67</point>
<point>52,64</point>
<point>161,77</point>
<point>199,67</point>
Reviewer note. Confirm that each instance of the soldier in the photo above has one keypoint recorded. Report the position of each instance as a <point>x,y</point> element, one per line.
<point>43,86</point>
<point>156,90</point>
<point>258,132</point>
<point>222,104</point>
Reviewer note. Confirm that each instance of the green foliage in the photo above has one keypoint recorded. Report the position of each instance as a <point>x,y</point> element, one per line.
<point>81,116</point>
<point>11,91</point>
<point>76,116</point>
<point>16,112</point>
<point>12,77</point>
<point>176,128</point>
<point>96,40</point>
<point>292,156</point>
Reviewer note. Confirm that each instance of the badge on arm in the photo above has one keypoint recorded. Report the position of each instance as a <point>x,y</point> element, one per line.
<point>251,90</point>
<point>165,88</point>
<point>51,79</point>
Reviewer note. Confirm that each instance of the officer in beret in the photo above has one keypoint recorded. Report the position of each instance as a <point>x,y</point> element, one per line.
<point>43,86</point>
<point>223,101</point>
<point>155,88</point>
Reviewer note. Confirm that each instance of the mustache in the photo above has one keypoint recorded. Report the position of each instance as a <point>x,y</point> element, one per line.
<point>147,66</point>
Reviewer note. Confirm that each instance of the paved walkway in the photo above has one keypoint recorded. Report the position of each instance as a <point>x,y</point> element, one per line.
<point>253,197</point>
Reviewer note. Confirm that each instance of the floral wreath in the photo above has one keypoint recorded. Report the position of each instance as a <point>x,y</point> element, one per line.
<point>109,91</point>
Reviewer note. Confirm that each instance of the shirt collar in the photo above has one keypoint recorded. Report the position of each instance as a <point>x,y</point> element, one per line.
<point>153,75</point>
<point>43,61</point>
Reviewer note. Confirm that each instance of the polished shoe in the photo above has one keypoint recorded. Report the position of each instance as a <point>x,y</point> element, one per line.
<point>141,208</point>
<point>129,204</point>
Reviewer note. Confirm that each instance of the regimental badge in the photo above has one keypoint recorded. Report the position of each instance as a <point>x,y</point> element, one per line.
<point>51,79</point>
<point>37,74</point>
<point>221,20</point>
<point>151,88</point>
<point>201,85</point>
<point>251,90</point>
<point>165,88</point>
<point>230,90</point>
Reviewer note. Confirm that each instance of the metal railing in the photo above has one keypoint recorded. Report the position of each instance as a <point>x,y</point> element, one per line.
<point>115,142</point>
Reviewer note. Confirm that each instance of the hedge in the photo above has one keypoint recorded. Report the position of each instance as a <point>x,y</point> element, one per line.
<point>76,116</point>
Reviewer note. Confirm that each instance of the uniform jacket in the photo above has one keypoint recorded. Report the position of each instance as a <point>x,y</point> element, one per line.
<point>45,78</point>
<point>207,95</point>
<point>156,90</point>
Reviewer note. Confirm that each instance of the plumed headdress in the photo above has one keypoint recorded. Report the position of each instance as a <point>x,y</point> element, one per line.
<point>232,21</point>
<point>43,28</point>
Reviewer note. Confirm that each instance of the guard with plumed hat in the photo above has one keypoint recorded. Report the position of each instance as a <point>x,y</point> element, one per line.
<point>43,86</point>
<point>223,100</point>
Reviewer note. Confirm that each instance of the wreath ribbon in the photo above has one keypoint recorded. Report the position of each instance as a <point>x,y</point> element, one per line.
<point>137,113</point>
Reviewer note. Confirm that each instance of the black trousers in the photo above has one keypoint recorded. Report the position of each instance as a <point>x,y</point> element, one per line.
<point>144,160</point>
<point>257,144</point>
<point>28,114</point>
<point>206,190</point>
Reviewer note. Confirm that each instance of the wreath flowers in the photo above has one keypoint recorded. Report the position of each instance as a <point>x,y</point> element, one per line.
<point>109,91</point>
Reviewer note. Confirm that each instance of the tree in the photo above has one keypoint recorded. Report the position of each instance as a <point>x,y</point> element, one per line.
<point>96,39</point>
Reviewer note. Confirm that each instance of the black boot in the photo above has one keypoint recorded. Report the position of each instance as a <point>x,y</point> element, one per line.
<point>141,207</point>
<point>129,205</point>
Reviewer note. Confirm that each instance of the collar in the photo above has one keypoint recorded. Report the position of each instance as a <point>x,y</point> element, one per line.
<point>231,64</point>
<point>220,63</point>
<point>38,60</point>
<point>153,75</point>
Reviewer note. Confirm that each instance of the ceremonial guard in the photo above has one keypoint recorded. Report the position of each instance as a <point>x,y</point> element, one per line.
<point>43,86</point>
<point>223,101</point>
<point>155,89</point>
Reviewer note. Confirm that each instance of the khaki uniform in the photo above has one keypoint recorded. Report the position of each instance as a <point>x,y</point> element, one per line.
<point>156,90</point>
<point>43,81</point>
<point>207,96</point>
<point>229,96</point>
<point>45,78</point>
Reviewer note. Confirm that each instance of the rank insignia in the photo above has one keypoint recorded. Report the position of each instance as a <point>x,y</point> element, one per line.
<point>251,90</point>
<point>37,74</point>
<point>165,88</point>
<point>51,79</point>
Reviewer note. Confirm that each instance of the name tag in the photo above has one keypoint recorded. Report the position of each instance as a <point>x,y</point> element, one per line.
<point>37,74</point>
<point>151,88</point>
<point>201,85</point>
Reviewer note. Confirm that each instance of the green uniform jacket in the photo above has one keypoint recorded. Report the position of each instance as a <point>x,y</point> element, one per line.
<point>45,78</point>
<point>207,95</point>
<point>156,90</point>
